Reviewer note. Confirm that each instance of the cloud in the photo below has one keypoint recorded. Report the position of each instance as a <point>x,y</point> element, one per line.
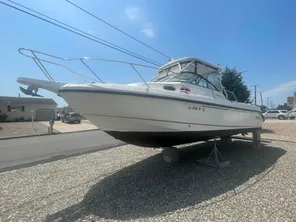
<point>136,15</point>
<point>133,13</point>
<point>282,89</point>
<point>148,32</point>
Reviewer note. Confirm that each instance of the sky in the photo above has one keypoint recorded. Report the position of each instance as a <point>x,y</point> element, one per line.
<point>258,37</point>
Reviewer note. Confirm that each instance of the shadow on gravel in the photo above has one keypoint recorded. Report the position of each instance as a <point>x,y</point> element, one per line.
<point>152,187</point>
<point>267,131</point>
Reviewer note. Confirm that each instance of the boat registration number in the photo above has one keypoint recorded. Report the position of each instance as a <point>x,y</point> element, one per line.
<point>197,108</point>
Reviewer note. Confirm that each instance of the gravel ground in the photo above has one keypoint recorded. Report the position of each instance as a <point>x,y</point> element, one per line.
<point>278,130</point>
<point>15,129</point>
<point>133,184</point>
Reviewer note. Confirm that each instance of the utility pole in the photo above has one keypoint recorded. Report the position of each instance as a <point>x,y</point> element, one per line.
<point>267,102</point>
<point>255,86</point>
<point>261,98</point>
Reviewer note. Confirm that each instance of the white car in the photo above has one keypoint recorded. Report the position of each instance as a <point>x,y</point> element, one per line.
<point>292,114</point>
<point>276,114</point>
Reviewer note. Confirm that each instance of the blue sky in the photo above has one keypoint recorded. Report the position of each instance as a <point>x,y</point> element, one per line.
<point>257,36</point>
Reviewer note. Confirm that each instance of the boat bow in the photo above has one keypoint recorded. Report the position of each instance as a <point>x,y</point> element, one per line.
<point>43,84</point>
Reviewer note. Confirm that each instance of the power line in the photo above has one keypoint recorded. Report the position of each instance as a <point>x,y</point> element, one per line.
<point>152,62</point>
<point>84,10</point>
<point>85,35</point>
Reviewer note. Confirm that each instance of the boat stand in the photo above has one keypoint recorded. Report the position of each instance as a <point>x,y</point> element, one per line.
<point>215,159</point>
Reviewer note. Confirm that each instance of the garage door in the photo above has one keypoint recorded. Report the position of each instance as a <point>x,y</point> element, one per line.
<point>44,114</point>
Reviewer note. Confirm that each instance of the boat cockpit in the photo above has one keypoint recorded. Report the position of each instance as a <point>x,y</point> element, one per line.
<point>191,71</point>
<point>199,76</point>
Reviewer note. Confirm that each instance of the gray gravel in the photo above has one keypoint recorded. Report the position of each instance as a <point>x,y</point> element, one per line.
<point>16,129</point>
<point>134,184</point>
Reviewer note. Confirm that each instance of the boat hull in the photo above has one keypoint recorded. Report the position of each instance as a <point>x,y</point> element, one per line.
<point>168,139</point>
<point>157,122</point>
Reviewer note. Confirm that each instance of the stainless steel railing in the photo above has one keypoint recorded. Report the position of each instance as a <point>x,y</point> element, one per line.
<point>35,57</point>
<point>227,92</point>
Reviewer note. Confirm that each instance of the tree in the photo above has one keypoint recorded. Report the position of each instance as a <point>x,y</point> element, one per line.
<point>284,107</point>
<point>232,80</point>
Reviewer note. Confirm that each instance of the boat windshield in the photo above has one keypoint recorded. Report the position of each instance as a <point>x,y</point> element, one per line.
<point>191,72</point>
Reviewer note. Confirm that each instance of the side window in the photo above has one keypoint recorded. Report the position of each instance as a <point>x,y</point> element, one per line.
<point>23,108</point>
<point>199,81</point>
<point>203,83</point>
<point>195,81</point>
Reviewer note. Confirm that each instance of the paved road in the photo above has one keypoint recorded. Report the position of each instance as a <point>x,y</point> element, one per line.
<point>22,152</point>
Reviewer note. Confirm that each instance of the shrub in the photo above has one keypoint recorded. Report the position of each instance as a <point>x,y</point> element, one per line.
<point>3,117</point>
<point>16,119</point>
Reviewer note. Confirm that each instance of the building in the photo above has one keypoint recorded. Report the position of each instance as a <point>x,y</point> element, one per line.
<point>294,101</point>
<point>291,100</point>
<point>24,108</point>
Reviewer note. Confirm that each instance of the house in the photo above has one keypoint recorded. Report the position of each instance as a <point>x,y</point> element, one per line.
<point>24,108</point>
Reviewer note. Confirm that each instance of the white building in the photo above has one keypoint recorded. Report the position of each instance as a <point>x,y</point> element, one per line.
<point>24,108</point>
<point>291,101</point>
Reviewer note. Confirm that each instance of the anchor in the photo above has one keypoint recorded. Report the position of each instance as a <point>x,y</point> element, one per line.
<point>29,91</point>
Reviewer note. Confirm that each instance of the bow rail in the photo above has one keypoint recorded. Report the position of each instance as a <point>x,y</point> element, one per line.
<point>35,57</point>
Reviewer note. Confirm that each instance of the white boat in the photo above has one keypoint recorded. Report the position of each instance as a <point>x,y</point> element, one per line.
<point>185,102</point>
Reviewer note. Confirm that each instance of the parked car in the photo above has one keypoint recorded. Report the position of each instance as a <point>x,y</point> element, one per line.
<point>276,114</point>
<point>60,114</point>
<point>292,114</point>
<point>71,117</point>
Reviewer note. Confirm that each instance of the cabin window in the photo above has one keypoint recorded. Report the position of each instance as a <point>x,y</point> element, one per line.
<point>189,68</point>
<point>203,83</point>
<point>174,70</point>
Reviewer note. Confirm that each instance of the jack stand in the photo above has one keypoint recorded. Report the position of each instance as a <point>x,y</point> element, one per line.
<point>257,139</point>
<point>213,159</point>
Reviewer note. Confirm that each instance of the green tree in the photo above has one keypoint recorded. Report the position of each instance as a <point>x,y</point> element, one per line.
<point>284,107</point>
<point>232,80</point>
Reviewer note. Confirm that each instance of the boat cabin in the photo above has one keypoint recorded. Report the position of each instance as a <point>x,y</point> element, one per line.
<point>197,76</point>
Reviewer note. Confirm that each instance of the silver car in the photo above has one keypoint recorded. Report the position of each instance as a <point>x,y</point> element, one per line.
<point>279,114</point>
<point>71,117</point>
<point>292,114</point>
